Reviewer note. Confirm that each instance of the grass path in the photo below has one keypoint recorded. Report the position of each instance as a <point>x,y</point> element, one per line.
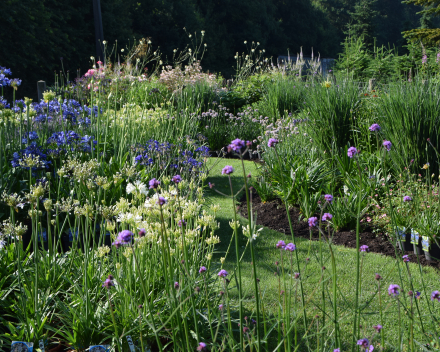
<point>373,263</point>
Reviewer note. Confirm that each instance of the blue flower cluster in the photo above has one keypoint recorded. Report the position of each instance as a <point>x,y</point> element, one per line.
<point>33,151</point>
<point>4,81</point>
<point>73,140</point>
<point>3,102</point>
<point>32,137</point>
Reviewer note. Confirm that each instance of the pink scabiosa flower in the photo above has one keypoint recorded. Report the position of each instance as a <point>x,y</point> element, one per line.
<point>227,170</point>
<point>290,247</point>
<point>328,198</point>
<point>202,269</point>
<point>351,152</point>
<point>236,145</point>
<point>435,295</point>
<point>374,127</point>
<point>161,200</point>
<point>363,248</point>
<point>222,273</point>
<point>327,217</point>
<point>176,179</point>
<point>387,145</point>
<point>153,183</point>
<point>405,258</point>
<point>281,244</point>
<point>201,347</point>
<point>313,221</point>
<point>393,290</point>
<point>272,142</point>
<point>407,199</point>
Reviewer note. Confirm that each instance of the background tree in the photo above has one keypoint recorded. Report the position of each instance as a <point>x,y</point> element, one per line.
<point>426,32</point>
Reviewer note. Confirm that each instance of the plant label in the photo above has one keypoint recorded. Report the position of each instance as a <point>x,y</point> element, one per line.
<point>130,343</point>
<point>414,237</point>
<point>41,345</point>
<point>21,346</point>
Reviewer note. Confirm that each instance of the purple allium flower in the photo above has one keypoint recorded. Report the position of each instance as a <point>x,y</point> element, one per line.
<point>407,199</point>
<point>125,236</point>
<point>161,200</point>
<point>352,151</point>
<point>176,179</point>
<point>281,244</point>
<point>201,346</point>
<point>363,248</point>
<point>222,273</point>
<point>387,145</point>
<point>393,290</point>
<point>181,223</point>
<point>176,285</point>
<point>227,170</point>
<point>154,183</point>
<point>328,198</point>
<point>377,327</point>
<point>290,247</point>
<point>327,216</point>
<point>272,142</point>
<point>435,295</point>
<point>405,258</point>
<point>142,232</point>
<point>202,270</point>
<point>364,343</point>
<point>374,127</point>
<point>236,145</point>
<point>313,221</point>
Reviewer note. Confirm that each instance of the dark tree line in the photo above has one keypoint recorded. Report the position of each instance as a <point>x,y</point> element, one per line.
<point>39,37</point>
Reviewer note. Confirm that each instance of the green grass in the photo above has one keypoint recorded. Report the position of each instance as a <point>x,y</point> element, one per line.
<point>373,263</point>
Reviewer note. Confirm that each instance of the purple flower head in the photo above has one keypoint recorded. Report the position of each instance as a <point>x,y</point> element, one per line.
<point>272,142</point>
<point>435,295</point>
<point>424,59</point>
<point>125,236</point>
<point>176,179</point>
<point>211,185</point>
<point>181,223</point>
<point>351,152</point>
<point>161,200</point>
<point>337,350</point>
<point>313,221</point>
<point>201,346</point>
<point>221,306</point>
<point>374,127</point>
<point>176,285</point>
<point>407,199</point>
<point>327,216</point>
<point>387,145</point>
<point>377,327</point>
<point>227,170</point>
<point>222,273</point>
<point>117,243</point>
<point>154,183</point>
<point>236,145</point>
<point>281,244</point>
<point>364,343</point>
<point>290,247</point>
<point>393,290</point>
<point>377,277</point>
<point>417,295</point>
<point>202,270</point>
<point>108,282</point>
<point>248,143</point>
<point>142,233</point>
<point>405,258</point>
<point>363,248</point>
<point>328,198</point>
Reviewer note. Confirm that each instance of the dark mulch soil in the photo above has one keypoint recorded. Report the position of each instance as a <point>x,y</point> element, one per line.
<point>272,214</point>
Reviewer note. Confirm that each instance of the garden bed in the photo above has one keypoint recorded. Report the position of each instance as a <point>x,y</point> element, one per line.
<point>272,214</point>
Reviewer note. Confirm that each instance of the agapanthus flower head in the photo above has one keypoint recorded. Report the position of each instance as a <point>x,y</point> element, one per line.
<point>405,258</point>
<point>227,170</point>
<point>281,244</point>
<point>407,199</point>
<point>202,269</point>
<point>201,346</point>
<point>393,290</point>
<point>176,179</point>
<point>363,248</point>
<point>435,295</point>
<point>153,183</point>
<point>328,198</point>
<point>313,221</point>
<point>222,273</point>
<point>272,142</point>
<point>290,247</point>
<point>161,200</point>
<point>374,127</point>
<point>387,145</point>
<point>236,145</point>
<point>377,327</point>
<point>351,152</point>
<point>327,216</point>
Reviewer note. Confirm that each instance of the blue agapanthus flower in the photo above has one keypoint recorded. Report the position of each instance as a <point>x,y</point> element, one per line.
<point>33,151</point>
<point>3,102</point>
<point>32,137</point>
